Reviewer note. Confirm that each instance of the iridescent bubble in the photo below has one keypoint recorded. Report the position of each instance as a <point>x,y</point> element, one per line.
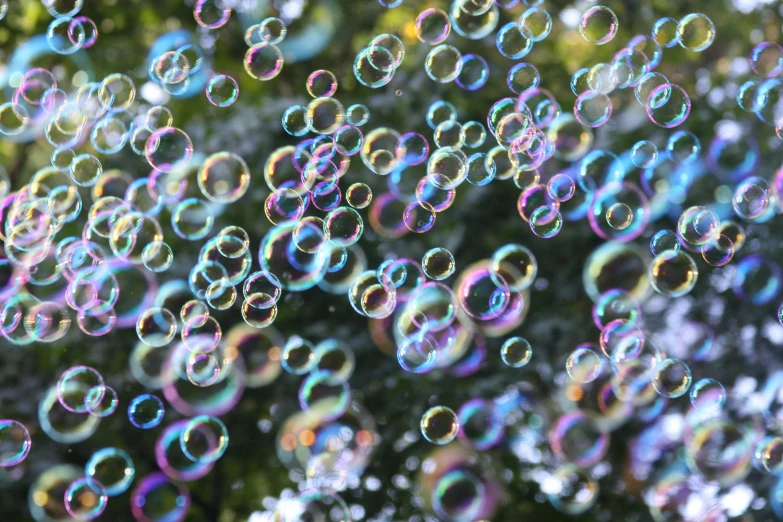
<point>537,21</point>
<point>665,32</point>
<point>697,225</point>
<point>146,411</point>
<point>211,14</point>
<point>668,105</point>
<point>619,216</point>
<point>593,108</point>
<point>263,61</point>
<point>708,395</point>
<point>585,364</point>
<point>577,438</point>
<point>273,30</point>
<point>571,490</point>
<point>439,425</point>
<point>86,499</point>
<point>516,352</point>
<point>168,149</point>
<point>683,147</point>
<point>751,198</point>
<point>664,240</point>
<point>474,73</point>
<point>192,219</point>
<point>672,378</point>
<point>514,42</point>
<point>204,439</point>
<point>111,467</point>
<point>438,264</point>
<point>644,154</point>
<point>15,442</point>
<point>417,355</point>
<point>514,266</point>
<point>673,274</point>
<point>718,251</point>
<point>523,76</point>
<point>74,386</point>
<point>444,63</point>
<point>156,497</point>
<point>357,114</point>
<point>156,327</point>
<point>323,395</point>
<point>222,90</point>
<point>298,355</point>
<point>766,59</point>
<point>321,83</point>
<point>695,32</point>
<point>598,25</point>
<point>432,26</point>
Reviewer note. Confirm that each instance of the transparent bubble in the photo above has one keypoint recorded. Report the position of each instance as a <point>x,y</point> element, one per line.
<point>474,73</point>
<point>673,274</point>
<point>668,105</point>
<point>85,170</point>
<point>439,425</point>
<point>192,219</point>
<point>665,32</point>
<point>619,216</point>
<point>417,355</point>
<point>571,490</point>
<point>321,83</point>
<point>695,32</point>
<point>224,177</point>
<point>516,352</point>
<point>15,442</point>
<point>168,149</point>
<point>156,326</point>
<point>538,22</point>
<point>708,395</point>
<point>113,468</point>
<point>86,499</point>
<point>273,30</point>
<point>263,61</point>
<point>697,225</point>
<point>585,364</point>
<point>766,59</point>
<point>443,63</point>
<point>145,411</point>
<point>598,25</point>
<point>546,222</point>
<point>593,108</point>
<point>298,356</point>
<point>683,147</point>
<point>585,80</point>
<point>751,198</point>
<point>718,251</point>
<point>664,240</point>
<point>222,90</point>
<point>325,115</point>
<point>357,114</point>
<point>672,378</point>
<point>321,393</point>
<point>514,42</point>
<point>204,439</point>
<point>644,154</point>
<point>432,26</point>
<point>438,264</point>
<point>211,14</point>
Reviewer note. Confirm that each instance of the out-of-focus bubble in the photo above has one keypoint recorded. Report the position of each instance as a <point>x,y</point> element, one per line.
<point>298,355</point>
<point>438,264</point>
<point>695,32</point>
<point>145,411</point>
<point>673,273</point>
<point>474,73</point>
<point>516,352</point>
<point>571,490</point>
<point>598,25</point>
<point>86,499</point>
<point>156,497</point>
<point>272,30</point>
<point>211,14</point>
<point>585,364</point>
<point>683,147</point>
<point>439,425</point>
<point>644,154</point>
<point>577,438</point>
<point>192,219</point>
<point>432,26</point>
<point>15,442</point>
